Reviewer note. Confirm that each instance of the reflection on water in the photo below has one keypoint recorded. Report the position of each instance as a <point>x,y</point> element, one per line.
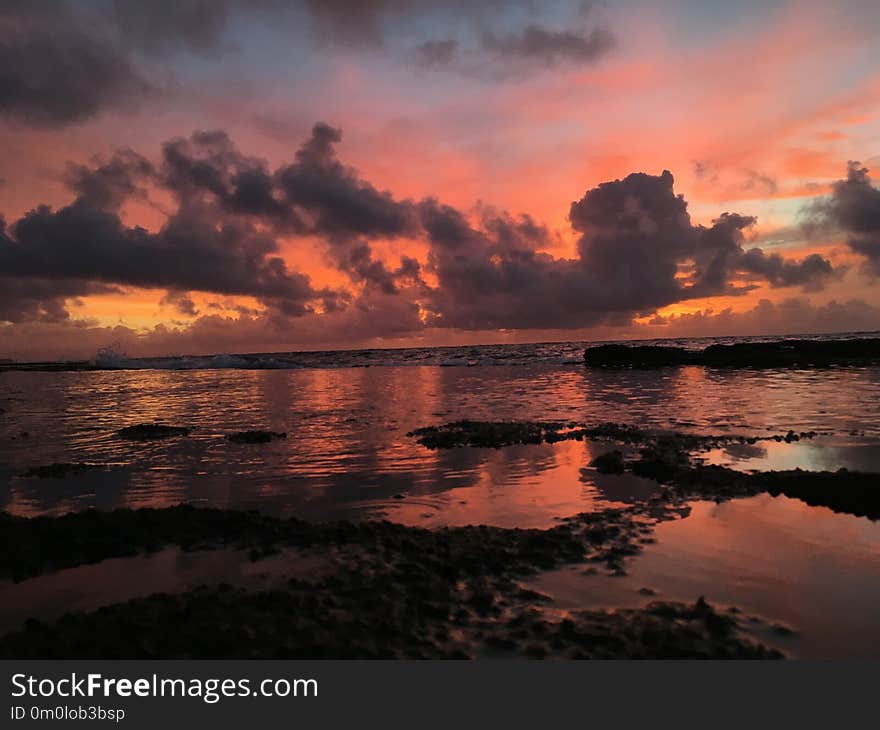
<point>820,454</point>
<point>803,568</point>
<point>347,454</point>
<point>117,580</point>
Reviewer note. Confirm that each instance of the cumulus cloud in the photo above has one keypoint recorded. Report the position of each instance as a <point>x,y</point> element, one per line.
<point>207,244</point>
<point>190,252</point>
<point>790,316</point>
<point>338,202</point>
<point>853,207</point>
<point>314,194</point>
<point>107,185</point>
<point>181,301</point>
<point>637,248</point>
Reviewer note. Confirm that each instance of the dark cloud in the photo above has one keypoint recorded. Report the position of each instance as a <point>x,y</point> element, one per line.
<point>637,248</point>
<point>352,23</point>
<point>65,62</point>
<point>208,165</point>
<point>431,54</point>
<point>38,299</point>
<point>358,262</point>
<point>80,242</point>
<point>548,47</point>
<point>810,272</point>
<point>315,194</point>
<point>854,208</point>
<point>789,316</point>
<point>216,240</point>
<point>181,301</point>
<point>640,219</point>
<point>57,66</point>
<point>338,203</point>
<point>158,25</point>
<point>110,183</point>
<point>638,251</point>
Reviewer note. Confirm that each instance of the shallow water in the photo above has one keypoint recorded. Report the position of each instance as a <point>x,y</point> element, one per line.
<point>852,452</point>
<point>347,454</point>
<point>788,567</point>
<point>172,570</point>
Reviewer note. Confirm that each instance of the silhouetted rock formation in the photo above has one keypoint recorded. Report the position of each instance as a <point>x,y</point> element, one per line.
<point>151,432</point>
<point>254,437</point>
<point>781,353</point>
<point>639,356</point>
<point>793,353</point>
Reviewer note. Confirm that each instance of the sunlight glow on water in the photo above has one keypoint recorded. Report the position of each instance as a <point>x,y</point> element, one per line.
<point>347,455</point>
<point>782,562</point>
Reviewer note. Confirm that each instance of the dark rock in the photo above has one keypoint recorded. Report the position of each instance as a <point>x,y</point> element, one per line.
<point>611,462</point>
<point>780,353</point>
<point>151,431</point>
<point>793,353</point>
<point>638,356</point>
<point>57,470</point>
<point>254,437</point>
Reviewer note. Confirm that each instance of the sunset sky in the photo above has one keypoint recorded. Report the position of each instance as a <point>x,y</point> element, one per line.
<point>198,177</point>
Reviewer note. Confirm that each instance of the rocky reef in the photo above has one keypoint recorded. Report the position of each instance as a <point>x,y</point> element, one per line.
<point>151,432</point>
<point>667,457</point>
<point>254,437</point>
<point>779,353</point>
<point>399,592</point>
<point>58,470</point>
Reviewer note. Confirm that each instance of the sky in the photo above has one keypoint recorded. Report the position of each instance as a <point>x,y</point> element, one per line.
<point>194,176</point>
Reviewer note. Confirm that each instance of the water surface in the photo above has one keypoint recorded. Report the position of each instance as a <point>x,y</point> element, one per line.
<point>347,453</point>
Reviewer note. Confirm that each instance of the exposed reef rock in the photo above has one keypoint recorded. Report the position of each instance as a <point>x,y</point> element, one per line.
<point>780,353</point>
<point>794,353</point>
<point>58,470</point>
<point>495,434</point>
<point>377,615</point>
<point>151,432</point>
<point>45,544</point>
<point>850,492</point>
<point>254,437</point>
<point>401,592</point>
<point>666,457</point>
<point>611,462</point>
<point>639,356</point>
